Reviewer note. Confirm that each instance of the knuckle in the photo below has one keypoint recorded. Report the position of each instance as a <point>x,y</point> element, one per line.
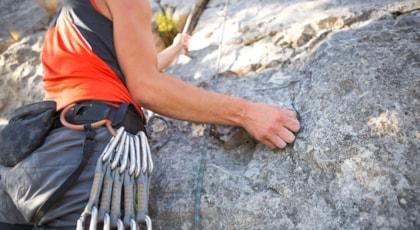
<point>283,144</point>
<point>293,138</point>
<point>260,136</point>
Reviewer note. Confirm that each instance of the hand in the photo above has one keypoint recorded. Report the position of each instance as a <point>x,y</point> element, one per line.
<point>182,41</point>
<point>273,126</point>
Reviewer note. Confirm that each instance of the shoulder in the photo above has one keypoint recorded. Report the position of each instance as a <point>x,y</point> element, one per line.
<point>129,6</point>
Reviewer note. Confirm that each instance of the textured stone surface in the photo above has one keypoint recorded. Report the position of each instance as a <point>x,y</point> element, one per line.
<point>21,73</point>
<point>22,26</point>
<point>19,18</point>
<point>352,71</point>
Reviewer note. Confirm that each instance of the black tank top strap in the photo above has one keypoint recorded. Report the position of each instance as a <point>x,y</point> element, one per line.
<point>96,29</point>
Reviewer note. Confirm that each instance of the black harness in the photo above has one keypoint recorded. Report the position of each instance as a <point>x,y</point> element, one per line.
<point>85,113</point>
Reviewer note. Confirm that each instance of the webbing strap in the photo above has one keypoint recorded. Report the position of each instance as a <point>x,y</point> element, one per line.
<point>88,147</point>
<point>5,226</point>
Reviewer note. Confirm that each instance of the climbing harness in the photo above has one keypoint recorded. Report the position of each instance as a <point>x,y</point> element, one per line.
<point>122,175</point>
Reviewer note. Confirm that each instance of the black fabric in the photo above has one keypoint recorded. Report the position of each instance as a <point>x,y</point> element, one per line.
<point>88,147</point>
<point>92,111</point>
<point>5,226</point>
<point>27,129</point>
<point>86,113</point>
<point>96,29</point>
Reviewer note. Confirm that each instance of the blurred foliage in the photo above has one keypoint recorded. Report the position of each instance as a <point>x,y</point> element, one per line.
<point>14,34</point>
<point>50,6</point>
<point>166,28</point>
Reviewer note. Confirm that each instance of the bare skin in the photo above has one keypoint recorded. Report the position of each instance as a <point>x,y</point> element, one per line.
<point>168,55</point>
<point>167,95</point>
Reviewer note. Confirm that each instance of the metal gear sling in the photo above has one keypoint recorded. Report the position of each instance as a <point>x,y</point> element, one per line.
<point>122,171</point>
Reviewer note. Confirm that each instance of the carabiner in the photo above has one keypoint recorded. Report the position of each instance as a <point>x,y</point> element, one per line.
<point>148,223</point>
<point>143,152</point>
<point>114,141</point>
<point>107,222</point>
<point>124,161</point>
<point>133,224</point>
<point>120,149</point>
<point>94,219</point>
<point>120,225</point>
<point>138,155</point>
<point>81,223</point>
<point>132,156</point>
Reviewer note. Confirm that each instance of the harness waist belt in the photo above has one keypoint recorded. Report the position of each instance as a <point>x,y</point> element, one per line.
<point>121,115</point>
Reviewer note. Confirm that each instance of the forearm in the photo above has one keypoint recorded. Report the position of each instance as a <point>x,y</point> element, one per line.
<point>171,97</point>
<point>167,56</point>
<point>174,98</point>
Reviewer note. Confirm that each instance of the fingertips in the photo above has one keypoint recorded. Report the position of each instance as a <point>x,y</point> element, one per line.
<point>289,113</point>
<point>293,125</point>
<point>279,142</point>
<point>286,135</point>
<point>269,144</point>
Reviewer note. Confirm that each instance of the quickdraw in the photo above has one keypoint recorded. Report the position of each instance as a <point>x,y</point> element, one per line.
<point>122,172</point>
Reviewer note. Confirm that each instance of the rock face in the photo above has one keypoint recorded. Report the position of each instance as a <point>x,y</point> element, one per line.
<point>352,71</point>
<point>22,26</point>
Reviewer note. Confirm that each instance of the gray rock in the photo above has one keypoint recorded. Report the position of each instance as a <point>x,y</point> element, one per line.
<point>350,68</point>
<point>21,81</point>
<point>21,18</point>
<point>355,164</point>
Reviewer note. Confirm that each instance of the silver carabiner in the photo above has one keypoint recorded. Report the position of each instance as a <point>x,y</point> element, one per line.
<point>147,155</point>
<point>107,222</point>
<point>81,223</point>
<point>150,165</point>
<point>114,141</point>
<point>133,224</point>
<point>94,219</point>
<point>132,156</point>
<point>124,162</point>
<point>138,155</point>
<point>143,152</point>
<point>120,149</point>
<point>148,223</point>
<point>120,225</point>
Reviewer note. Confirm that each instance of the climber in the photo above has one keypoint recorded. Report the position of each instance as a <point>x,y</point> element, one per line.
<point>99,59</point>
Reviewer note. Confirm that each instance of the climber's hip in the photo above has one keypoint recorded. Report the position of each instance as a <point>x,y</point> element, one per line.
<point>31,183</point>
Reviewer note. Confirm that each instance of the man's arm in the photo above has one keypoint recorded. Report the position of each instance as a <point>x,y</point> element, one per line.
<point>174,98</point>
<point>168,55</point>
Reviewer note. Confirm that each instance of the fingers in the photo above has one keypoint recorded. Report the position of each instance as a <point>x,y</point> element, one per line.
<point>268,143</point>
<point>278,142</point>
<point>286,135</point>
<point>281,136</point>
<point>289,113</point>
<point>292,124</point>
